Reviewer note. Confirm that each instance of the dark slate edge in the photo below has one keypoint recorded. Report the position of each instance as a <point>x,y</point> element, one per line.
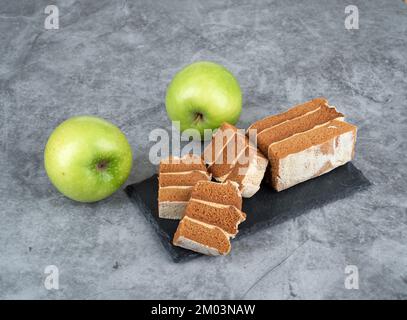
<point>281,218</point>
<point>165,240</point>
<point>182,255</point>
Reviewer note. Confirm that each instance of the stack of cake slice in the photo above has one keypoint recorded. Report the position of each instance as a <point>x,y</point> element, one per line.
<point>211,218</point>
<point>230,156</point>
<point>176,178</point>
<point>304,142</point>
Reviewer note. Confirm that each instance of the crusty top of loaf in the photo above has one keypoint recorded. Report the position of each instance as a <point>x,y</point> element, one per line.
<point>178,164</point>
<point>223,135</point>
<point>226,217</point>
<point>305,140</point>
<point>229,155</point>
<point>238,172</point>
<point>186,178</point>
<point>302,123</point>
<point>202,234</point>
<point>223,193</point>
<point>291,113</point>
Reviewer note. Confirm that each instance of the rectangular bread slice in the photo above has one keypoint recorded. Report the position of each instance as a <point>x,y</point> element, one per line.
<point>177,176</point>
<point>211,218</point>
<point>249,172</point>
<point>200,237</point>
<point>293,126</point>
<point>226,193</point>
<point>226,217</point>
<point>222,136</point>
<point>229,145</point>
<point>172,201</point>
<point>311,153</point>
<point>294,112</point>
<point>226,160</point>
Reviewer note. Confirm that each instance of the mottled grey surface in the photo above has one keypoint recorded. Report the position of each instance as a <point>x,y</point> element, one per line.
<point>115,58</point>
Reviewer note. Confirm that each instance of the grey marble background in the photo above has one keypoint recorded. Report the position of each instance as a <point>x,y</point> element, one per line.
<point>114,59</point>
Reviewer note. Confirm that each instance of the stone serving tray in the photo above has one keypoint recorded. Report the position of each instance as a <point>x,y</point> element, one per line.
<point>266,208</point>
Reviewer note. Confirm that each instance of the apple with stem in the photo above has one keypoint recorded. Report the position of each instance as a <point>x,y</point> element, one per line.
<point>87,158</point>
<point>202,96</point>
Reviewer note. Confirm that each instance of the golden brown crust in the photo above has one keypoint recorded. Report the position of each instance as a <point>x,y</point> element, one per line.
<point>176,178</point>
<point>212,237</point>
<point>225,217</point>
<point>211,217</point>
<point>186,163</point>
<point>174,193</point>
<point>302,127</point>
<point>324,137</point>
<point>228,157</point>
<point>292,113</point>
<point>223,193</point>
<point>188,178</point>
<point>238,173</point>
<point>310,138</point>
<point>301,124</point>
<point>212,151</point>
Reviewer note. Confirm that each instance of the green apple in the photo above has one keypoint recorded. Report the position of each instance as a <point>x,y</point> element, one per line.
<point>87,158</point>
<point>203,95</point>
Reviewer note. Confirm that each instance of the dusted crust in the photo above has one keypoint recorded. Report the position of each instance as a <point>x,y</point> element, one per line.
<point>306,141</point>
<point>311,154</point>
<point>202,238</point>
<point>226,156</point>
<point>211,218</point>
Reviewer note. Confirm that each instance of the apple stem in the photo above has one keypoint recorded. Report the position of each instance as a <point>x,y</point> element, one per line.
<point>198,117</point>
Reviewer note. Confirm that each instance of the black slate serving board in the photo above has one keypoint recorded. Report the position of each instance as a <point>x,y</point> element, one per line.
<point>267,207</point>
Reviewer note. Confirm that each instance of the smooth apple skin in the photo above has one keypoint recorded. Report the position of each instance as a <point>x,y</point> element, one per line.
<point>204,88</point>
<point>87,158</point>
